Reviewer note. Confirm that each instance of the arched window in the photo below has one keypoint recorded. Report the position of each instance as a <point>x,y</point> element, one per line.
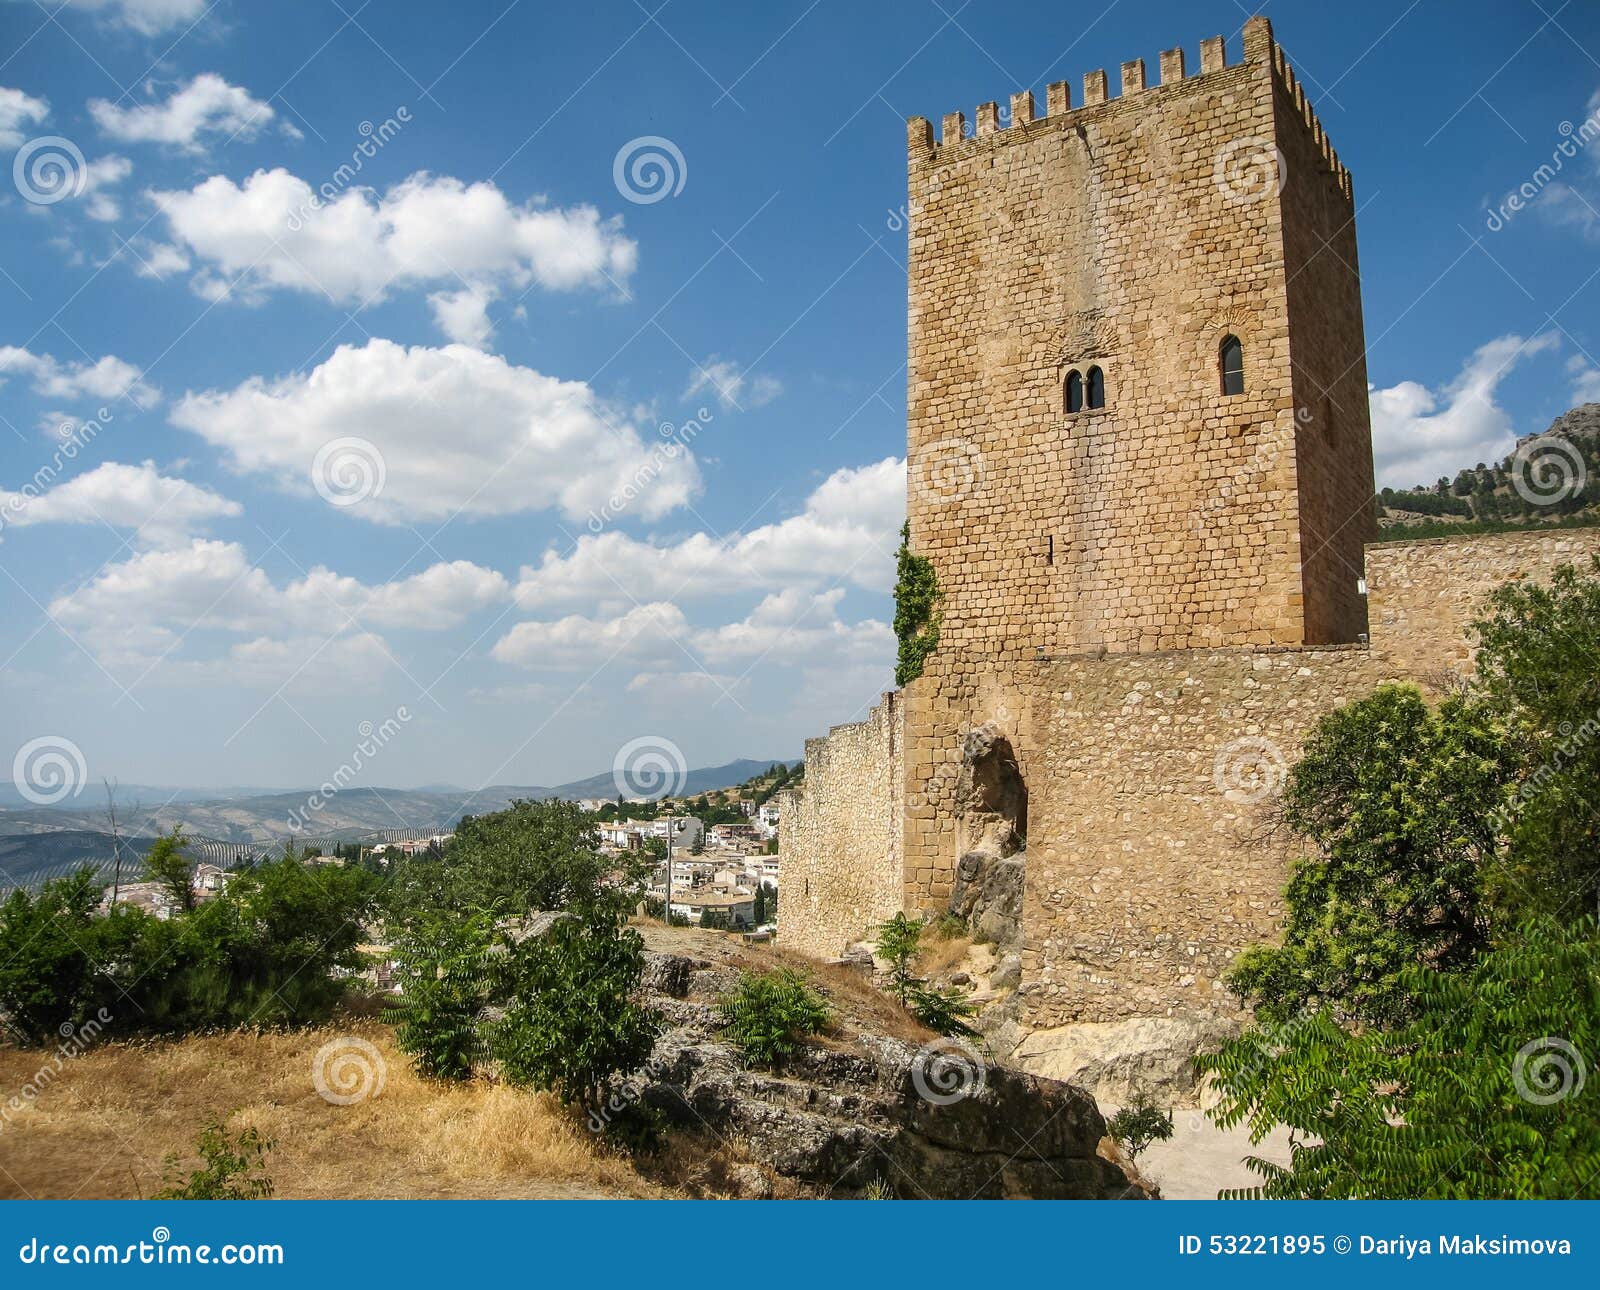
<point>1074,392</point>
<point>1097,388</point>
<point>1231,358</point>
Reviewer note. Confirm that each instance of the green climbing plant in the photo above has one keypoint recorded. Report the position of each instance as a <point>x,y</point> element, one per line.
<point>916,610</point>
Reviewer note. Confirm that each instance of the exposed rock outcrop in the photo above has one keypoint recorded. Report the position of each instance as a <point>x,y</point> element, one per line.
<point>988,895</point>
<point>860,1109</point>
<point>1118,1061</point>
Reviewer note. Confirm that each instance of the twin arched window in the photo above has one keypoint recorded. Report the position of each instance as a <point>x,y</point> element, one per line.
<point>1085,389</point>
<point>1230,361</point>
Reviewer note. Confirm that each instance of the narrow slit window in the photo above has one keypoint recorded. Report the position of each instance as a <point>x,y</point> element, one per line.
<point>1074,392</point>
<point>1232,357</point>
<point>1097,388</point>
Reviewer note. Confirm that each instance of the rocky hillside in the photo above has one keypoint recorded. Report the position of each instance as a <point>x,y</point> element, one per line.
<point>1551,478</point>
<point>878,1105</point>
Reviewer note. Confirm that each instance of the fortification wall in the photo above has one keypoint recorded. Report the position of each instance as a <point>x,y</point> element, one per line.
<point>1424,595</point>
<point>1152,859</point>
<point>839,836</point>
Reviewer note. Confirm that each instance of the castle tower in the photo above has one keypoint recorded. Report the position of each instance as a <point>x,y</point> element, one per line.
<point>1137,384</point>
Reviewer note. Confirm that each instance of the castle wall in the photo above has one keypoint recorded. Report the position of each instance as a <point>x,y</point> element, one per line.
<point>1424,595</point>
<point>839,835</point>
<point>1151,859</point>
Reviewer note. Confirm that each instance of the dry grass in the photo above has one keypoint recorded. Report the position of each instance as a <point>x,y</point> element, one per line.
<point>105,1123</point>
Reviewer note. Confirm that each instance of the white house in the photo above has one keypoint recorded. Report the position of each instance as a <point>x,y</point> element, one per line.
<point>739,907</point>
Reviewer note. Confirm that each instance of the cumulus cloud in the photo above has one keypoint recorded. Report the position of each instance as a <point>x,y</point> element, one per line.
<point>18,112</point>
<point>700,686</point>
<point>207,106</point>
<point>847,533</point>
<point>104,378</point>
<point>459,432</point>
<point>732,385</point>
<point>274,233</point>
<point>140,608</point>
<point>653,631</point>
<point>1420,435</point>
<point>161,510</point>
<point>786,627</point>
<point>463,315</point>
<point>147,17</point>
<point>156,259</point>
<point>1585,380</point>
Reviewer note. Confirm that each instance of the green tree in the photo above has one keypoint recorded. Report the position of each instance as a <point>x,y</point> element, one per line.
<point>167,864</point>
<point>1403,804</point>
<point>1482,1095</point>
<point>1539,662</point>
<point>574,1020</point>
<point>443,971</point>
<point>899,943</point>
<point>916,610</point>
<point>769,1014</point>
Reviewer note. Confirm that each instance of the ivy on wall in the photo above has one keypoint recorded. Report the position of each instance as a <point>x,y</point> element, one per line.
<point>916,610</point>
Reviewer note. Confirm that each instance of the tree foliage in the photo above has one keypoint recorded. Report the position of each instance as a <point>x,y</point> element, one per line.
<point>573,1020</point>
<point>443,971</point>
<point>1403,804</point>
<point>167,864</point>
<point>1484,1094</point>
<point>233,1167</point>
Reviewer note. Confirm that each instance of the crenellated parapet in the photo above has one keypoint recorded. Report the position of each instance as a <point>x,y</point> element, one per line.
<point>991,127</point>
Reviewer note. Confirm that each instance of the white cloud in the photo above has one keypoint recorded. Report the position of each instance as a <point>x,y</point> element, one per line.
<point>1420,435</point>
<point>459,431</point>
<point>795,626</point>
<point>732,385</point>
<point>847,533</point>
<point>650,632</point>
<point>19,111</point>
<point>147,17</point>
<point>700,686</point>
<point>104,378</point>
<point>161,510</point>
<point>99,175</point>
<point>207,105</point>
<point>138,609</point>
<point>463,315</point>
<point>157,259</point>
<point>310,664</point>
<point>276,234</point>
<point>1585,380</point>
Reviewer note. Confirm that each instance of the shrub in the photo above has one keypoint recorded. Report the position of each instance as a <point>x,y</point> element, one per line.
<point>769,1014</point>
<point>943,1009</point>
<point>1483,1095</point>
<point>233,1168</point>
<point>899,942</point>
<point>916,610</point>
<point>574,1022</point>
<point>1135,1127</point>
<point>442,969</point>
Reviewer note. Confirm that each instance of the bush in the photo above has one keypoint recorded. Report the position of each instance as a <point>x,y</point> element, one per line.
<point>1483,1095</point>
<point>899,942</point>
<point>574,1022</point>
<point>233,1168</point>
<point>916,610</point>
<point>769,1014</point>
<point>442,969</point>
<point>1135,1127</point>
<point>943,1009</point>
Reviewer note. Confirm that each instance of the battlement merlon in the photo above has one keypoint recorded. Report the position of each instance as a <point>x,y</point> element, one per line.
<point>991,128</point>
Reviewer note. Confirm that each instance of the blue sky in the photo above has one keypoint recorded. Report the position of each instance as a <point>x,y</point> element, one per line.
<point>503,311</point>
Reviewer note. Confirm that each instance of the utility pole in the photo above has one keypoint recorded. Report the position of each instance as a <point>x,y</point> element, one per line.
<point>667,904</point>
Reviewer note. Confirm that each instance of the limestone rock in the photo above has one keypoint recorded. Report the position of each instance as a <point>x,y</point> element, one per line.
<point>1118,1061</point>
<point>988,894</point>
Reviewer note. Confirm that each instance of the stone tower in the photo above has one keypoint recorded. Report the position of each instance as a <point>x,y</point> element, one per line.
<point>1137,383</point>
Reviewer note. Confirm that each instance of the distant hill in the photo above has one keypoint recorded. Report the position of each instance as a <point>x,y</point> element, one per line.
<point>39,842</point>
<point>1556,482</point>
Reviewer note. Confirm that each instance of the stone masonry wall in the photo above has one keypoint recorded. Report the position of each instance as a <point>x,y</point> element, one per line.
<point>1151,861</point>
<point>1423,596</point>
<point>839,834</point>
